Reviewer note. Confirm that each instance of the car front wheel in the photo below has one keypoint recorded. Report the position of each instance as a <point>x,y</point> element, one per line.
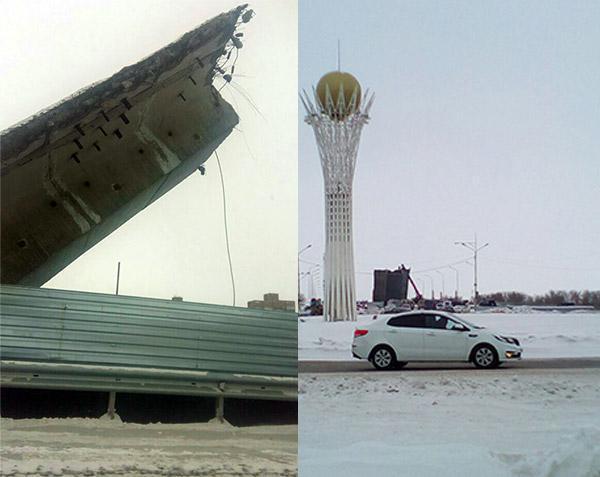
<point>485,357</point>
<point>383,358</point>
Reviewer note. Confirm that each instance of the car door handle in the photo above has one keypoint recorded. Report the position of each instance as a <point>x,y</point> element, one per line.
<point>430,333</point>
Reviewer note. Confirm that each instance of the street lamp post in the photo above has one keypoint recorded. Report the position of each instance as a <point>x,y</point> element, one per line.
<point>456,283</point>
<point>304,249</point>
<point>431,282</point>
<point>472,246</point>
<point>311,276</point>
<point>443,294</point>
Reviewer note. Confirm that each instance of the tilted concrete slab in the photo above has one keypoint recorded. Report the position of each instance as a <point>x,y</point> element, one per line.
<point>75,172</point>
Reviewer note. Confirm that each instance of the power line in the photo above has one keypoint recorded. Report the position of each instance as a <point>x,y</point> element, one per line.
<point>433,269</point>
<point>447,265</point>
<point>466,260</point>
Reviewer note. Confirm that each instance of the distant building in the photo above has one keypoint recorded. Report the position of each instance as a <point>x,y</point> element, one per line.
<point>390,284</point>
<point>272,302</point>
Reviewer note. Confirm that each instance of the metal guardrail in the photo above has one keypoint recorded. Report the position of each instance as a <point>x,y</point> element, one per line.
<point>58,339</point>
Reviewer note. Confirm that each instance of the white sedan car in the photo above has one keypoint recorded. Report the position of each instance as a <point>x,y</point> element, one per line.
<point>391,342</point>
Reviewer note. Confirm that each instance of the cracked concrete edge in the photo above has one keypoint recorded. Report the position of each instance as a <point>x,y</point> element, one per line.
<point>83,102</point>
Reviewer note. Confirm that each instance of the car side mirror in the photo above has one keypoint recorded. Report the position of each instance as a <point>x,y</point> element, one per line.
<point>460,328</point>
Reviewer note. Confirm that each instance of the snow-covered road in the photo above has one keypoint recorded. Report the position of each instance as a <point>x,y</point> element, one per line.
<point>542,335</point>
<point>100,447</point>
<point>453,423</point>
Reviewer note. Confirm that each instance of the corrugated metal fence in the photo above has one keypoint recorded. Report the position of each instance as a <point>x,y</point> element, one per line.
<point>67,339</point>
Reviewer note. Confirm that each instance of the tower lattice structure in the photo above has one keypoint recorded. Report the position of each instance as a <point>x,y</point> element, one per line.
<point>337,123</point>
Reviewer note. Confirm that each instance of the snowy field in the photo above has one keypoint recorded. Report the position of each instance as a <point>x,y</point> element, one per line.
<point>532,423</point>
<point>542,335</point>
<point>100,447</point>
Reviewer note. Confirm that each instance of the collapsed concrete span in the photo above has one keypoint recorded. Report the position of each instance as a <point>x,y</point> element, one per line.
<point>75,172</point>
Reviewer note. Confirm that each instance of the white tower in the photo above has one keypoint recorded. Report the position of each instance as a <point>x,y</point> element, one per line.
<point>337,118</point>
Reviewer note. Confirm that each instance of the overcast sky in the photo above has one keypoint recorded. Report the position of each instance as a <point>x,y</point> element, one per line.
<point>486,120</point>
<point>176,246</point>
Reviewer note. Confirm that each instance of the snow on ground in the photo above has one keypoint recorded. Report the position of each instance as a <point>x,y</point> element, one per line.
<point>495,423</point>
<point>542,335</point>
<point>101,447</point>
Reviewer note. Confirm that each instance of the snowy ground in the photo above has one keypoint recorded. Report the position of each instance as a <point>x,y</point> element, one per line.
<point>542,335</point>
<point>100,447</point>
<point>451,423</point>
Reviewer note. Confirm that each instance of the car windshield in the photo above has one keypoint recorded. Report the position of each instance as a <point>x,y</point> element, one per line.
<point>468,323</point>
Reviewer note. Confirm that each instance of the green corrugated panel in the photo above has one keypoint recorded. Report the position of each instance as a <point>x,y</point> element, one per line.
<point>152,336</point>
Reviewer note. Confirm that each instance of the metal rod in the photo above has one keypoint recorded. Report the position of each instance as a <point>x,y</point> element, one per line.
<point>118,277</point>
<point>475,292</point>
<point>112,398</point>
<point>220,408</point>
<point>136,373</point>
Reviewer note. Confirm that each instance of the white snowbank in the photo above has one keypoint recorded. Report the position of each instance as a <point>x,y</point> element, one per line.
<point>542,335</point>
<point>501,423</point>
<point>103,447</point>
<point>576,455</point>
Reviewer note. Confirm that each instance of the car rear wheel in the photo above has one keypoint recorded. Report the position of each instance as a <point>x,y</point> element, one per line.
<point>383,358</point>
<point>485,357</point>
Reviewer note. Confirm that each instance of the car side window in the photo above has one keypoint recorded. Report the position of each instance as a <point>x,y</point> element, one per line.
<point>408,321</point>
<point>438,322</point>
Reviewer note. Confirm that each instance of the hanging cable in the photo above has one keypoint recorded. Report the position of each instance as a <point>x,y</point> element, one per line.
<point>225,224</point>
<point>464,260</point>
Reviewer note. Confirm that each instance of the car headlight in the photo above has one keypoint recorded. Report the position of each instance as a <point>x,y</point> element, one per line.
<point>507,339</point>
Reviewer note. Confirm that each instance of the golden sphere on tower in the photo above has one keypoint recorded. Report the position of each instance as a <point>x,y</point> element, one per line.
<point>339,83</point>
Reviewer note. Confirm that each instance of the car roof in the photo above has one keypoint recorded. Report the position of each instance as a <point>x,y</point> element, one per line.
<point>380,320</point>
<point>418,312</point>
